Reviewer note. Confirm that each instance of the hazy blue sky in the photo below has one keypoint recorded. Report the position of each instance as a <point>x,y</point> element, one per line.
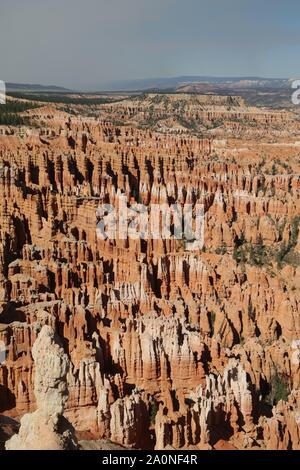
<point>90,42</point>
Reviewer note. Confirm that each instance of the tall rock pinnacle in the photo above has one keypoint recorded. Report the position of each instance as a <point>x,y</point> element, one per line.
<point>46,428</point>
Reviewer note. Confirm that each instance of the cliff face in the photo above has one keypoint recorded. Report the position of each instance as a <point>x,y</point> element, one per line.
<point>168,346</point>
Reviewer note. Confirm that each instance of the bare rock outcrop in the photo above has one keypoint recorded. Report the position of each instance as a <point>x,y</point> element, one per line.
<point>46,428</point>
<point>129,419</point>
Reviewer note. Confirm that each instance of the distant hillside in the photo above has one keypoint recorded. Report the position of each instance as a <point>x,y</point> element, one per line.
<point>260,92</point>
<point>257,91</point>
<point>35,88</point>
<point>175,82</point>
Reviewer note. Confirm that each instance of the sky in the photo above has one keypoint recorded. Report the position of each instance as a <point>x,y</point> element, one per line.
<point>87,44</point>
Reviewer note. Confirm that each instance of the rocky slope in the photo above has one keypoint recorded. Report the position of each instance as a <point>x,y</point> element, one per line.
<point>168,345</point>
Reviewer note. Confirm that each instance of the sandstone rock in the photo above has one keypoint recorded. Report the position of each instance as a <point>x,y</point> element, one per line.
<point>46,428</point>
<point>202,333</point>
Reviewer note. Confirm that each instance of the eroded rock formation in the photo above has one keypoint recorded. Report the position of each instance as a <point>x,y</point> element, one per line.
<point>46,428</point>
<point>168,345</point>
